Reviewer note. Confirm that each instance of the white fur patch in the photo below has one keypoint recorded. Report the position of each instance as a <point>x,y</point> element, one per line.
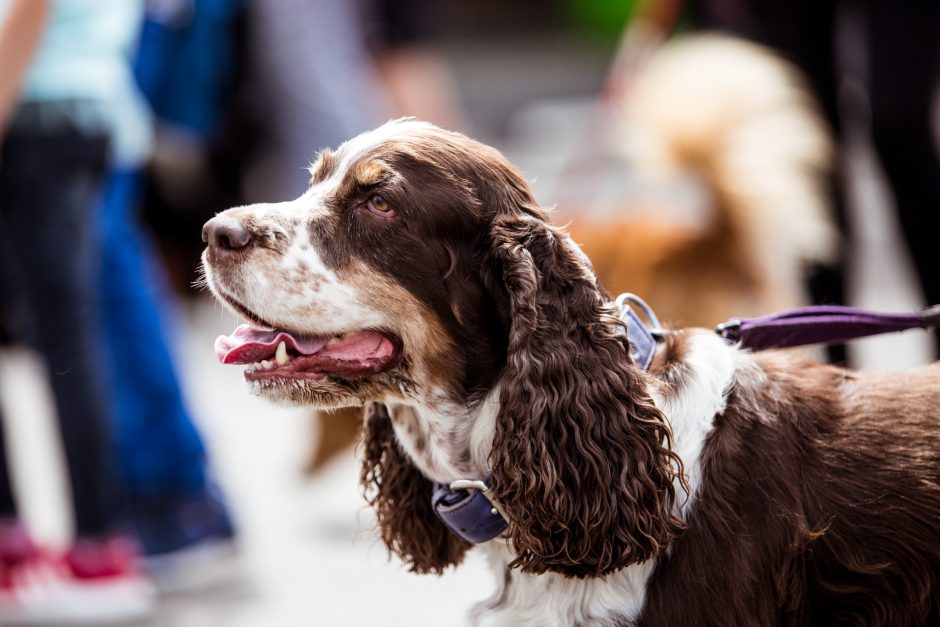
<point>552,599</point>
<point>349,152</point>
<point>449,429</point>
<point>483,431</point>
<point>711,365</point>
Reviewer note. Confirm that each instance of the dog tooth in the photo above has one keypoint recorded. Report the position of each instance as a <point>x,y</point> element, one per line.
<point>265,364</point>
<point>281,355</point>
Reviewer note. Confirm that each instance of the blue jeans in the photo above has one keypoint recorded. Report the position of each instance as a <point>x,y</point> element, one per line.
<point>159,449</point>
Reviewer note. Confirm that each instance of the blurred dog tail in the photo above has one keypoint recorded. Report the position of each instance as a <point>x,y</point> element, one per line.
<point>740,117</point>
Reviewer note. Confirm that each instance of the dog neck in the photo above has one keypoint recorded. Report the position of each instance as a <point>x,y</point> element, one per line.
<point>446,440</point>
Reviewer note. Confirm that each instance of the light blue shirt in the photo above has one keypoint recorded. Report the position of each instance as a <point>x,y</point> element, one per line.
<point>85,54</point>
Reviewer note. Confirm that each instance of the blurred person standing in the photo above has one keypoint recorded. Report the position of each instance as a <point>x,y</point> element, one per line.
<point>67,103</point>
<point>899,73</point>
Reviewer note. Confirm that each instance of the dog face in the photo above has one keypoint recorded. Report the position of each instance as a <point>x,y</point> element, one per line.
<point>367,287</point>
<point>418,270</point>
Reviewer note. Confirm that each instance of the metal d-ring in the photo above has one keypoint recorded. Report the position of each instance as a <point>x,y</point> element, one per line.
<point>629,299</point>
<point>483,488</point>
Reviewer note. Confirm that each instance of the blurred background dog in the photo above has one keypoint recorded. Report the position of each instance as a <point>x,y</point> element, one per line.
<point>731,158</point>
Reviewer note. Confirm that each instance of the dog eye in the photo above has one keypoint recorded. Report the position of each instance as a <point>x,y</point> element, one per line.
<point>379,206</point>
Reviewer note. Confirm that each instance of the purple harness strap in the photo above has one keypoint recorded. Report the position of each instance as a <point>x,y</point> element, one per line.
<point>826,324</point>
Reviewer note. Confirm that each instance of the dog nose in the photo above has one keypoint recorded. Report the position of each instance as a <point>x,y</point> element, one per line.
<point>225,233</point>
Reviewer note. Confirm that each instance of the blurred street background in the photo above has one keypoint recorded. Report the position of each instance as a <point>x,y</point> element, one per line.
<point>242,514</point>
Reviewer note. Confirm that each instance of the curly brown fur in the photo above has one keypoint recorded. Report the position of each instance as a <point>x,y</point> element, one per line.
<point>401,497</point>
<point>820,505</point>
<point>581,459</point>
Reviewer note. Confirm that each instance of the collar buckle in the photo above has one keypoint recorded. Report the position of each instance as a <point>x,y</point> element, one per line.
<point>643,340</point>
<point>468,511</point>
<point>482,487</point>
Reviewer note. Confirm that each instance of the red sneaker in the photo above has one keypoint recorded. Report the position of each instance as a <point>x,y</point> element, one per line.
<point>95,582</point>
<point>16,549</point>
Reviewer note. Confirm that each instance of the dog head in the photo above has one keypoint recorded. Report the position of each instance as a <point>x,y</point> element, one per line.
<point>371,278</point>
<point>418,267</point>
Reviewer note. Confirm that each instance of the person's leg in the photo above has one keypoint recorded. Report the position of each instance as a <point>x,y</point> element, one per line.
<point>158,445</point>
<point>11,314</point>
<point>905,67</point>
<point>48,198</point>
<point>16,545</point>
<point>171,501</point>
<point>7,307</point>
<point>49,182</point>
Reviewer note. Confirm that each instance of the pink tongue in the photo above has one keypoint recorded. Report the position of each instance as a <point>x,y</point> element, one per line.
<point>360,346</point>
<point>248,345</point>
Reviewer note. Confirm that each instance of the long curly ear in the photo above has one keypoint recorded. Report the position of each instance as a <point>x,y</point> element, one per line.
<point>401,497</point>
<point>581,459</point>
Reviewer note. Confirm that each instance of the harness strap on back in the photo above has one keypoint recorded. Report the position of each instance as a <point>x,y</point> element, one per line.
<point>824,324</point>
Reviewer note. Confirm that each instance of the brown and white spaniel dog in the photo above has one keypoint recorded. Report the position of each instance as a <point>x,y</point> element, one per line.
<point>418,274</point>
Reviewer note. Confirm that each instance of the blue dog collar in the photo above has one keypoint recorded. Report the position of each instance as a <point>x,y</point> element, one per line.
<point>464,507</point>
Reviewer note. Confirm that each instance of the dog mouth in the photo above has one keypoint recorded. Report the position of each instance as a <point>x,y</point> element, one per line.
<point>277,354</point>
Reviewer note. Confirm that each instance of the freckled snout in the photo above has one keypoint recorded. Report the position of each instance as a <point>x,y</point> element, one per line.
<point>226,234</point>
